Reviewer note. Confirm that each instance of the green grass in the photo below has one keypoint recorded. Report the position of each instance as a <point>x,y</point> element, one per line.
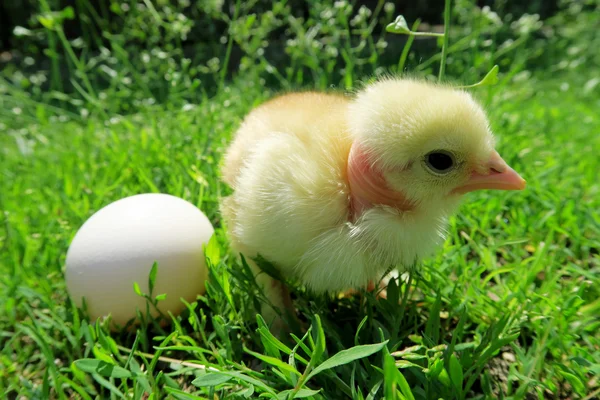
<point>509,307</point>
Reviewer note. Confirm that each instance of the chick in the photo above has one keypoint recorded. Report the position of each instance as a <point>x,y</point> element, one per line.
<point>334,190</point>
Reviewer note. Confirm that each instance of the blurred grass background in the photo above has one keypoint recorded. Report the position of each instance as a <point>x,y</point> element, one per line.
<point>104,99</point>
<point>176,51</point>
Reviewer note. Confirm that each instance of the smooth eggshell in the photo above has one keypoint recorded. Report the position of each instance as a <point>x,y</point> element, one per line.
<point>119,244</point>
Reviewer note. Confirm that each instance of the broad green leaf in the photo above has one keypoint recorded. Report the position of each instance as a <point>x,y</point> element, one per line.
<point>374,390</point>
<point>575,382</point>
<point>436,369</point>
<point>181,395</point>
<point>302,393</point>
<point>101,355</point>
<point>456,373</point>
<point>108,385</point>
<point>103,368</point>
<point>270,346</point>
<point>271,343</point>
<point>245,378</point>
<point>77,373</point>
<point>247,392</point>
<point>404,387</point>
<point>137,290</point>
<point>581,361</point>
<point>389,377</point>
<point>320,343</point>
<point>213,250</point>
<point>273,361</point>
<point>169,381</point>
<point>394,380</point>
<point>444,378</point>
<point>347,356</point>
<point>152,276</point>
<point>74,386</point>
<point>105,341</point>
<point>268,268</point>
<point>211,379</point>
<point>432,327</point>
<point>464,346</point>
<point>595,369</point>
<point>141,379</point>
<point>490,79</point>
<point>161,297</point>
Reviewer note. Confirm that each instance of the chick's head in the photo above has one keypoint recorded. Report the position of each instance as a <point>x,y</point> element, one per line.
<point>416,143</point>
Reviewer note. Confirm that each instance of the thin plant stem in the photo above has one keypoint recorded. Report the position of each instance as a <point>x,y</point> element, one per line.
<point>407,46</point>
<point>71,54</point>
<point>223,71</point>
<point>167,359</point>
<point>427,34</point>
<point>592,395</point>
<point>445,43</point>
<point>347,56</point>
<point>406,294</point>
<point>461,44</point>
<point>56,81</point>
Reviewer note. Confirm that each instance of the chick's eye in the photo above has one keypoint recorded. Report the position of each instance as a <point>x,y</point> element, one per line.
<point>440,162</point>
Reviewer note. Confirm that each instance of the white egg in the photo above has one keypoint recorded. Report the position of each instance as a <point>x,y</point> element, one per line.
<point>119,244</point>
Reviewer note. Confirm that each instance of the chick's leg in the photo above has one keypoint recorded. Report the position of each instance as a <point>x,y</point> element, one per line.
<point>275,292</point>
<point>278,301</point>
<point>371,287</point>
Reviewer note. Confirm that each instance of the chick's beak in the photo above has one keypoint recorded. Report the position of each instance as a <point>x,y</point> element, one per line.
<point>499,175</point>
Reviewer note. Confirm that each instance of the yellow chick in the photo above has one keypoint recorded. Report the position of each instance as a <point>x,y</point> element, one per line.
<point>336,190</point>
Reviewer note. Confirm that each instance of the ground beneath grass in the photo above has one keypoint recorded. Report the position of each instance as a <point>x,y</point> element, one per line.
<point>514,292</point>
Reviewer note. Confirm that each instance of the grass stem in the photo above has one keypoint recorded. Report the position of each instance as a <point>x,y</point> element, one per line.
<point>445,40</point>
